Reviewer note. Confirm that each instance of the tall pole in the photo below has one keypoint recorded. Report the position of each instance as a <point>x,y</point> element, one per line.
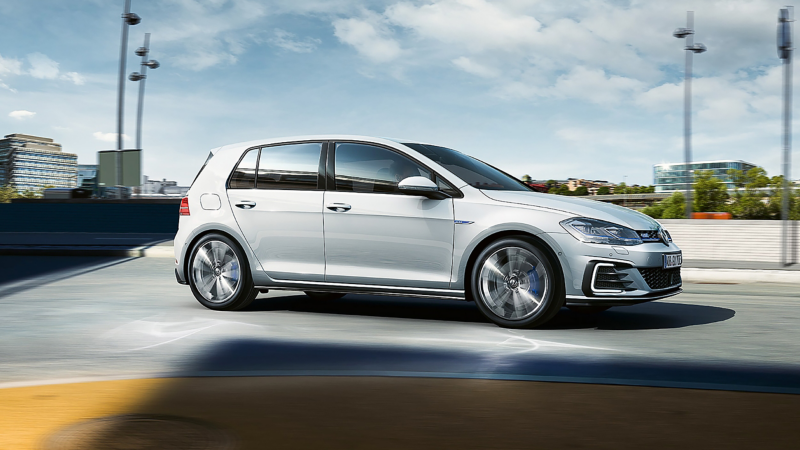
<point>687,114</point>
<point>691,48</point>
<point>788,254</point>
<point>144,53</point>
<point>121,91</point>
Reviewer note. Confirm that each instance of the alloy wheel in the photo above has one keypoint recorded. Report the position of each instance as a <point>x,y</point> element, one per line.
<point>216,271</point>
<point>513,283</point>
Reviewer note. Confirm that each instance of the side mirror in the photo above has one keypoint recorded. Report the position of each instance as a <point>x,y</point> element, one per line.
<point>421,186</point>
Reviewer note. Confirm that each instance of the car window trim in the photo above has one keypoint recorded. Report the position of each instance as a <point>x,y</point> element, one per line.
<point>331,167</point>
<point>320,186</point>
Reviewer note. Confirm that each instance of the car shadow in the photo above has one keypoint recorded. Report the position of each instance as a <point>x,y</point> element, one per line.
<point>376,306</point>
<point>645,316</point>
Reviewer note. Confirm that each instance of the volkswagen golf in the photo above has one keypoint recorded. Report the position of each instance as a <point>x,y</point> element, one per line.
<point>335,215</point>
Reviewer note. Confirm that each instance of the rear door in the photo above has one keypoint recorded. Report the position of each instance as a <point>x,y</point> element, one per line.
<point>376,235</point>
<point>276,193</point>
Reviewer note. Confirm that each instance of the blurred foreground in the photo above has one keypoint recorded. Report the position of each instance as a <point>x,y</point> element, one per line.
<point>114,354</point>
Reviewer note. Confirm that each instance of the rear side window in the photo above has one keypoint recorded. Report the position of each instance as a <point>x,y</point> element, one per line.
<point>244,176</point>
<point>293,166</point>
<point>366,168</point>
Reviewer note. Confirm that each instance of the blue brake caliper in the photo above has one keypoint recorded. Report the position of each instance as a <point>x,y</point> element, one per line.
<point>533,276</point>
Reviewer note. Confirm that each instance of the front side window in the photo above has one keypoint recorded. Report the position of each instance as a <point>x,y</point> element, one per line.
<point>244,176</point>
<point>293,166</point>
<point>366,168</point>
<point>474,172</point>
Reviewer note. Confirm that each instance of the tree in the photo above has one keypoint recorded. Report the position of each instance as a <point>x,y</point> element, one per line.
<point>710,193</point>
<point>561,190</point>
<point>604,190</point>
<point>621,188</point>
<point>7,192</point>
<point>550,184</point>
<point>672,207</point>
<point>581,190</point>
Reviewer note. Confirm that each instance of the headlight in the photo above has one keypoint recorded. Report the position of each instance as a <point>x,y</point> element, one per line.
<point>600,232</point>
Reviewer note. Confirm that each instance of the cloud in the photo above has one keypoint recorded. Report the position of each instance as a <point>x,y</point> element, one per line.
<point>10,66</point>
<point>74,77</point>
<point>209,33</point>
<point>21,114</point>
<point>42,67</point>
<point>469,66</point>
<point>286,41</point>
<point>108,137</point>
<point>369,37</point>
<point>475,24</point>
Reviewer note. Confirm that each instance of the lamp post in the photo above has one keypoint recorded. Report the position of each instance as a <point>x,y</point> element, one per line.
<point>141,77</point>
<point>691,48</point>
<point>128,18</point>
<point>785,53</point>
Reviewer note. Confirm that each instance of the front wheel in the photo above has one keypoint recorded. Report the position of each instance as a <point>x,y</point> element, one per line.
<point>218,274</point>
<point>515,285</point>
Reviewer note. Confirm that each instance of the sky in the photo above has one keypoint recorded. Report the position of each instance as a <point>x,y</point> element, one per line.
<point>553,89</point>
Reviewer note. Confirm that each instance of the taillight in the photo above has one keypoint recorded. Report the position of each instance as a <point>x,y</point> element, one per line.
<point>184,206</point>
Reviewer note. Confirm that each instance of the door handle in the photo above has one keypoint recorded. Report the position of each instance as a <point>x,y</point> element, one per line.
<point>246,204</point>
<point>338,207</point>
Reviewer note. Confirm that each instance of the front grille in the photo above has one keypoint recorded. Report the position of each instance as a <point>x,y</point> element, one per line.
<point>658,278</point>
<point>607,277</point>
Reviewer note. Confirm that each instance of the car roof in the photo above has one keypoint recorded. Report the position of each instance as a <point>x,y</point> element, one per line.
<point>321,137</point>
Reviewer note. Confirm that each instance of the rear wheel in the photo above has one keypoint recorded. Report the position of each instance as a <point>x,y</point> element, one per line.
<point>515,285</point>
<point>323,295</point>
<point>219,275</point>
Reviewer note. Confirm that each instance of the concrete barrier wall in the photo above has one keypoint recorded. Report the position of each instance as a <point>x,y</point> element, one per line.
<point>734,240</point>
<point>89,217</point>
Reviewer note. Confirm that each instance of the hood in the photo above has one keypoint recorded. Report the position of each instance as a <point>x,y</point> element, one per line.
<point>578,206</point>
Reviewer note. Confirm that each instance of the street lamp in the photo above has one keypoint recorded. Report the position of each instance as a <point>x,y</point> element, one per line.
<point>128,18</point>
<point>136,76</point>
<point>691,48</point>
<point>785,53</point>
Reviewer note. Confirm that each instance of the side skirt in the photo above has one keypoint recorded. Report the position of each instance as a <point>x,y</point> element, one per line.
<point>344,288</point>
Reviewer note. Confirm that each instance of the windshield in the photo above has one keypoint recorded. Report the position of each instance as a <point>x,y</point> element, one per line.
<point>476,173</point>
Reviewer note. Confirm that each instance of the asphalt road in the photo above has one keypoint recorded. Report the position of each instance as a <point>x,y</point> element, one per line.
<point>129,318</point>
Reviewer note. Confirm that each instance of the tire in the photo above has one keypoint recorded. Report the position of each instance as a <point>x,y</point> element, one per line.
<point>219,274</point>
<point>507,280</point>
<point>323,295</point>
<point>588,309</point>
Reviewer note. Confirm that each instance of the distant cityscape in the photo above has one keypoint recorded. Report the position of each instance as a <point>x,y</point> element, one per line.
<point>36,164</point>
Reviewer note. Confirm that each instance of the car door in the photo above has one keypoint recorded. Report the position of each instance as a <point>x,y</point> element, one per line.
<point>276,193</point>
<point>376,235</point>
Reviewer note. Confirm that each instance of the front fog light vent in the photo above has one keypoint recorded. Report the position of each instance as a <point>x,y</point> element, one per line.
<point>608,278</point>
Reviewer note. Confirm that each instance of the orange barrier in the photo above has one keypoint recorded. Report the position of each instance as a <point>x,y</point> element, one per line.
<point>712,215</point>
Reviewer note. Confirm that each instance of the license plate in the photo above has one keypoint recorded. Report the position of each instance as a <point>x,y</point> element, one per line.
<point>672,260</point>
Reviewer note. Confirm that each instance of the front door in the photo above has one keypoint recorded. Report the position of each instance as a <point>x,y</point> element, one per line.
<point>376,235</point>
<point>280,210</point>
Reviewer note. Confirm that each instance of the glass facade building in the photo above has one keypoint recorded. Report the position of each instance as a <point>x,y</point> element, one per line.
<point>32,163</point>
<point>673,177</point>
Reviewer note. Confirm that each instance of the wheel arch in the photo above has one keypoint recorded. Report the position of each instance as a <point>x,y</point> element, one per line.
<point>535,240</point>
<point>192,242</point>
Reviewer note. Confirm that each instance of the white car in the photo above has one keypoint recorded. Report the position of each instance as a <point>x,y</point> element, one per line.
<point>331,215</point>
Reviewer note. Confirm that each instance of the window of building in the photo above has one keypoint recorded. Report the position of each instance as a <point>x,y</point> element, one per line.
<point>244,176</point>
<point>293,166</point>
<point>366,168</point>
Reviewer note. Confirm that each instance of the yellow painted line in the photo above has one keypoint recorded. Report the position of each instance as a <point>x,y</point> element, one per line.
<point>30,414</point>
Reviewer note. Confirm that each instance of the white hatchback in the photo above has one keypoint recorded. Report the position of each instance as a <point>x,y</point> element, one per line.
<point>332,215</point>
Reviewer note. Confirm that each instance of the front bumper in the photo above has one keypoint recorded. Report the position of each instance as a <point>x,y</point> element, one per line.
<point>615,276</point>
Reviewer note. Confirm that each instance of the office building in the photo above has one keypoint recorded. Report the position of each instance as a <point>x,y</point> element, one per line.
<point>87,176</point>
<point>670,177</point>
<point>32,163</point>
<point>163,187</point>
